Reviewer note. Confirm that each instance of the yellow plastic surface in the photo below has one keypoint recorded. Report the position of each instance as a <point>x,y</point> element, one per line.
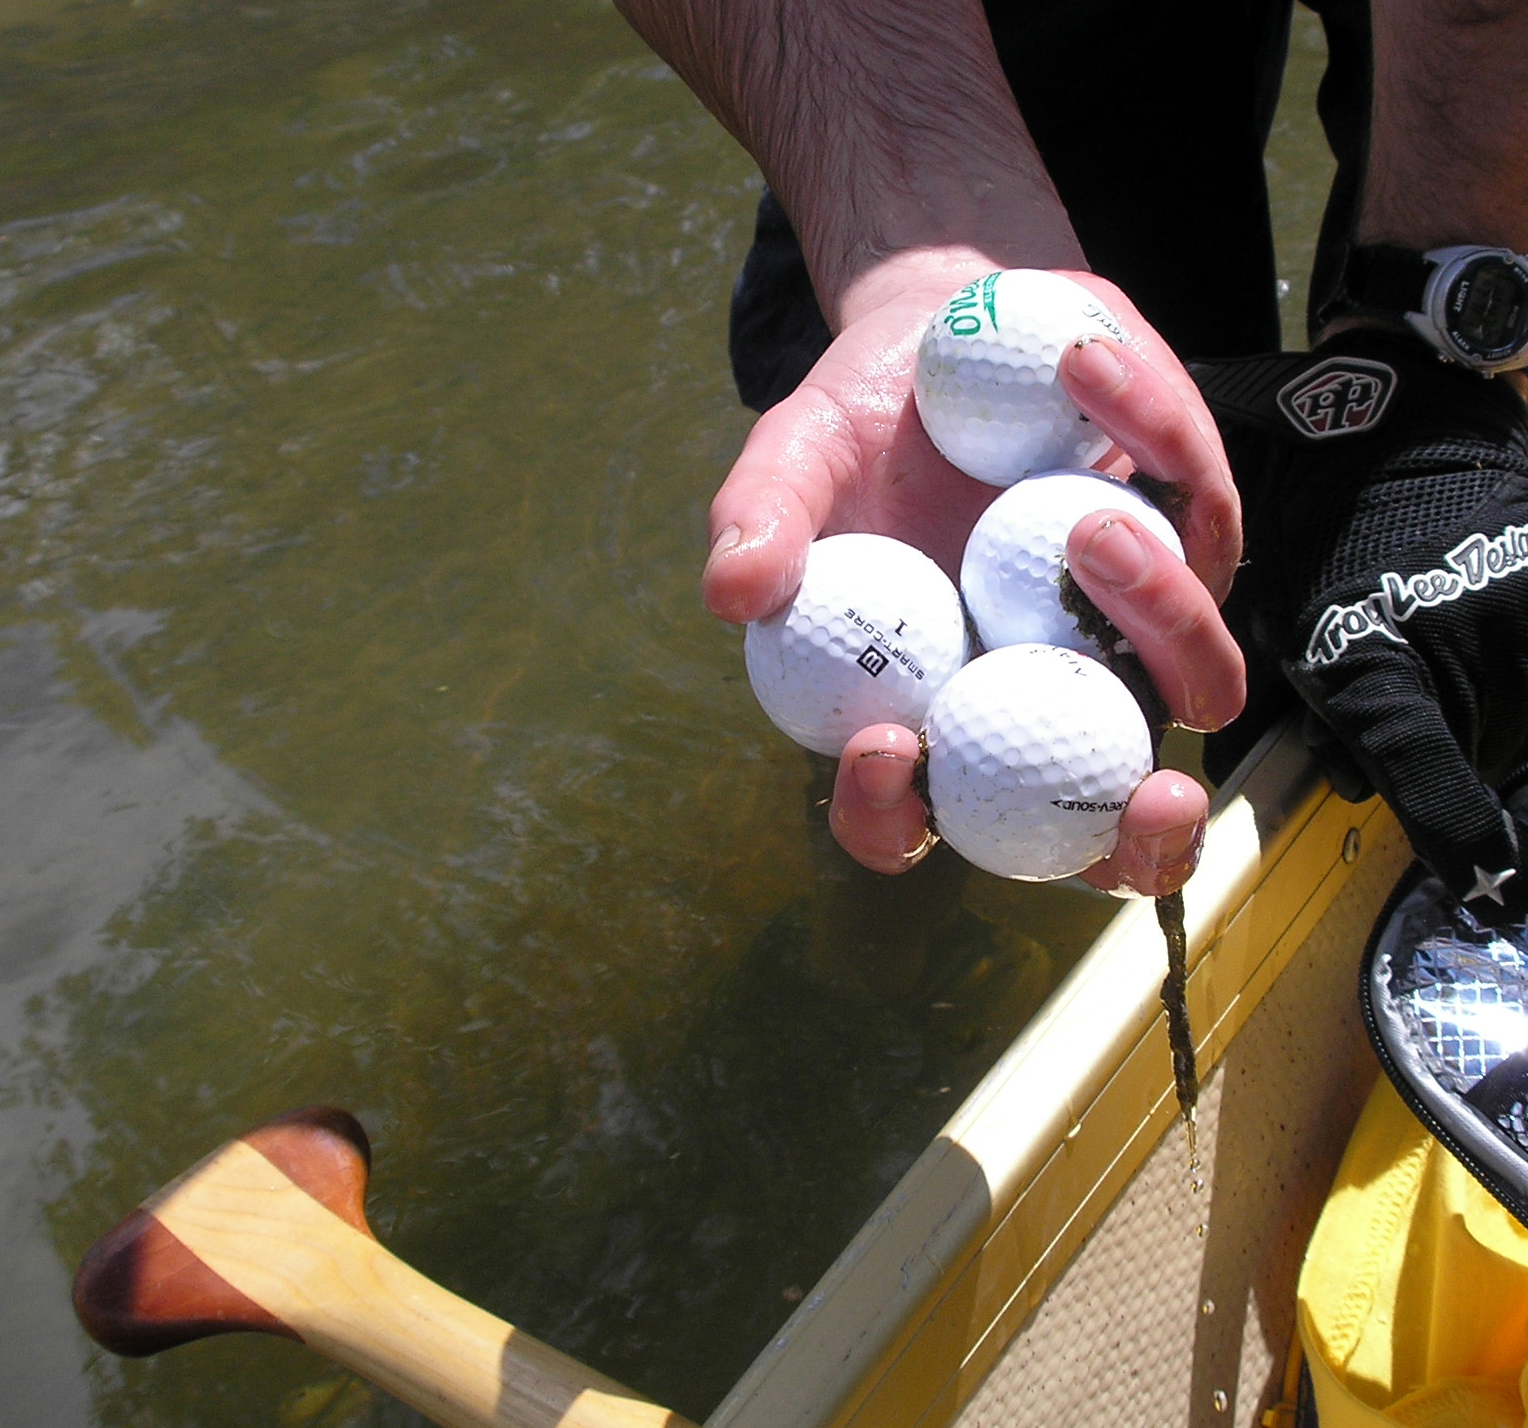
<point>1413,1301</point>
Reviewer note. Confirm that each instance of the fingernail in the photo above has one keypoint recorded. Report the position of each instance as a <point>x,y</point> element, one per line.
<point>1115,555</point>
<point>881,778</point>
<point>1165,851</point>
<point>726,538</point>
<point>1095,366</point>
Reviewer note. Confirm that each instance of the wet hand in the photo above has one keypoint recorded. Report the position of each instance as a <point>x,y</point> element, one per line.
<point>847,451</point>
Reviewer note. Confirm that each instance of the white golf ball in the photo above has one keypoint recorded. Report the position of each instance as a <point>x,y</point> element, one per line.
<point>1011,572</point>
<point>986,383</point>
<point>1033,752</point>
<point>871,636</point>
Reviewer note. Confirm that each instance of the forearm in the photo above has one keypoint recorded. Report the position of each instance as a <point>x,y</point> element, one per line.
<point>885,127</point>
<point>1448,153</point>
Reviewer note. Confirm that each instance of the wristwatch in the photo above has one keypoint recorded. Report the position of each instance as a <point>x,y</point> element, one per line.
<point>1468,302</point>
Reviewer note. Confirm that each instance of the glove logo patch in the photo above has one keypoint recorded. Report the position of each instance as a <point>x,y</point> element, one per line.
<point>1337,397</point>
<point>1473,563</point>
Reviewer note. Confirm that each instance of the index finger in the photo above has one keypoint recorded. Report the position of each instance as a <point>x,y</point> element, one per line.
<point>1153,421</point>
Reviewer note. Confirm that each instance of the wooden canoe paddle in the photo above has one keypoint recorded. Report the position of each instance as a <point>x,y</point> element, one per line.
<point>269,1233</point>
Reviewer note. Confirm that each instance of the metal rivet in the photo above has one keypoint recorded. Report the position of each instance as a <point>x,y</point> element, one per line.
<point>1350,846</point>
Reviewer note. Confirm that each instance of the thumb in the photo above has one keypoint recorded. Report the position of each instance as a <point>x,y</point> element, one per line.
<point>1380,703</point>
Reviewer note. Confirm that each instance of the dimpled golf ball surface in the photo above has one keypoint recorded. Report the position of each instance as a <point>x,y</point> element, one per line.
<point>1010,575</point>
<point>986,384</point>
<point>872,634</point>
<point>1033,752</point>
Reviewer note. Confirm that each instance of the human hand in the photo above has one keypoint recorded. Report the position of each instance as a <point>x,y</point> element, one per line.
<point>846,451</point>
<point>1387,529</point>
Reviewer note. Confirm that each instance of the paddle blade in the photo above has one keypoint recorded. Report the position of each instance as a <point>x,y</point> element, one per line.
<point>140,1290</point>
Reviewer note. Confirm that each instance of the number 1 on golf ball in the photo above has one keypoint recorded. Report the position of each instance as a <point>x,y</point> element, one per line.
<point>986,385</point>
<point>872,634</point>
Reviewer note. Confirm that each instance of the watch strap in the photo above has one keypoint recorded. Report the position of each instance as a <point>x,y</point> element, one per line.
<point>1379,280</point>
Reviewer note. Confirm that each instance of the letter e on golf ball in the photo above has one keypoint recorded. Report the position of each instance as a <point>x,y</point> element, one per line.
<point>871,636</point>
<point>1033,752</point>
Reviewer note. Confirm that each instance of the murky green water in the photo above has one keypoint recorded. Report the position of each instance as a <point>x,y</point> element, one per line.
<point>362,739</point>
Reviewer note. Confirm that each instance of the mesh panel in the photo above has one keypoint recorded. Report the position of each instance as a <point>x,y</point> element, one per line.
<point>1412,496</point>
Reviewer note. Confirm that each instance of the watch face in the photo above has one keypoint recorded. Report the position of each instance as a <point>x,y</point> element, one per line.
<point>1486,309</point>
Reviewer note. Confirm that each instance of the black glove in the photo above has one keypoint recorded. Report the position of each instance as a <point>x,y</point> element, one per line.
<point>1385,504</point>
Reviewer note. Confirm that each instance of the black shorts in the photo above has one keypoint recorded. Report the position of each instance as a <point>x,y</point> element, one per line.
<point>1151,119</point>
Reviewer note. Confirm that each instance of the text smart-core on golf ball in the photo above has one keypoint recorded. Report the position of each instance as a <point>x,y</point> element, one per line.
<point>872,634</point>
<point>986,383</point>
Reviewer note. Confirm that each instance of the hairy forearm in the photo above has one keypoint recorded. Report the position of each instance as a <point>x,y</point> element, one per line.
<point>885,127</point>
<point>1448,156</point>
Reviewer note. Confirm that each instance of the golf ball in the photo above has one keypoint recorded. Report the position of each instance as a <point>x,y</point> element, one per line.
<point>1011,572</point>
<point>986,383</point>
<point>872,634</point>
<point>1033,752</point>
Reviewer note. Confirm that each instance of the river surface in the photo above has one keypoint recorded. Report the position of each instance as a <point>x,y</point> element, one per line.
<point>362,739</point>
